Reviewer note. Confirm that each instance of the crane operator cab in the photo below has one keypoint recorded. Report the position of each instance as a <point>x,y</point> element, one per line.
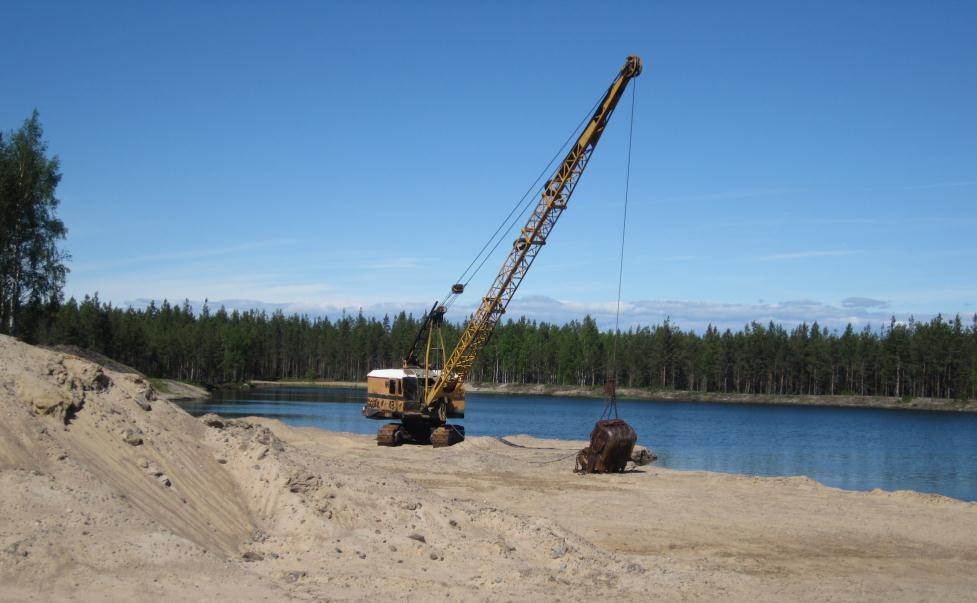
<point>399,394</point>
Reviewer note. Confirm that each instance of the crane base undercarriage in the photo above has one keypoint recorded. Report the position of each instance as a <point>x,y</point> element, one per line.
<point>438,436</point>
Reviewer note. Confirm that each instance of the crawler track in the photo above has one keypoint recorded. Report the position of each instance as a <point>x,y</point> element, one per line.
<point>390,434</point>
<point>447,435</point>
<point>396,434</point>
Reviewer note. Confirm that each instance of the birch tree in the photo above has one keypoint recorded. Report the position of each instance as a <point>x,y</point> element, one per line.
<point>32,266</point>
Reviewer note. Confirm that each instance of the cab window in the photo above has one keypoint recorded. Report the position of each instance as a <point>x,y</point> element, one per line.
<point>410,388</point>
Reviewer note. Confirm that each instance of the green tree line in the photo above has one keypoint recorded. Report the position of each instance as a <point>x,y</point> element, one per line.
<point>935,358</point>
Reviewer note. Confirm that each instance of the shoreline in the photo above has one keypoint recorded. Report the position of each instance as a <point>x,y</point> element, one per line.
<point>178,391</point>
<point>626,393</point>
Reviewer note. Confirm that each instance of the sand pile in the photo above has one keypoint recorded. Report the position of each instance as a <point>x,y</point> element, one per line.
<point>107,487</point>
<point>108,492</point>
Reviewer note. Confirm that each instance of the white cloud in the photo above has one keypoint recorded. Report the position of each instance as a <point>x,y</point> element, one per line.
<point>696,315</point>
<point>170,256</point>
<point>863,302</point>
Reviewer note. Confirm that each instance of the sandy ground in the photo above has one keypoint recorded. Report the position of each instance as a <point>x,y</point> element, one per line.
<point>109,493</point>
<point>168,389</point>
<point>178,391</point>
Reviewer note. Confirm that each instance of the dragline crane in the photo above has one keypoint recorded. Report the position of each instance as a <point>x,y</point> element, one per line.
<point>426,391</point>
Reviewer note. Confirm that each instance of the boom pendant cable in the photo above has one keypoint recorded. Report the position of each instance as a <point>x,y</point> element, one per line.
<point>611,405</point>
<point>515,214</point>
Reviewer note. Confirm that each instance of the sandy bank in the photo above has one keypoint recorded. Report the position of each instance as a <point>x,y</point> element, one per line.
<point>108,492</point>
<point>179,391</point>
<point>168,389</point>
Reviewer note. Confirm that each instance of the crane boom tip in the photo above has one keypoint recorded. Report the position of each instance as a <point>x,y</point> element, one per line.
<point>632,67</point>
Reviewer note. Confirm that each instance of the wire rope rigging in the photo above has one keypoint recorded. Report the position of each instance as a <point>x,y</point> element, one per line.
<point>610,407</point>
<point>428,388</point>
<point>612,439</point>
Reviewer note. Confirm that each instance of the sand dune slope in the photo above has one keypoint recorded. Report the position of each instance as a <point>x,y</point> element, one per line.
<point>108,493</point>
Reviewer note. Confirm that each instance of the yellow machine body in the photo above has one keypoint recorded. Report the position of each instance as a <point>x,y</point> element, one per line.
<point>399,394</point>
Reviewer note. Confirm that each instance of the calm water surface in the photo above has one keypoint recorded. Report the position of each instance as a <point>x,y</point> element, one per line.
<point>857,449</point>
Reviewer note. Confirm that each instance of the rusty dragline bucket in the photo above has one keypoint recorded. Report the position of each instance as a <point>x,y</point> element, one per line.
<point>611,443</point>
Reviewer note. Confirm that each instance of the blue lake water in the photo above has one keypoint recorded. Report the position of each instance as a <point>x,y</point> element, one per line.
<point>852,448</point>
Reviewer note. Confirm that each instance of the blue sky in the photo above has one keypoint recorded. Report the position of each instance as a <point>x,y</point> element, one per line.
<point>791,161</point>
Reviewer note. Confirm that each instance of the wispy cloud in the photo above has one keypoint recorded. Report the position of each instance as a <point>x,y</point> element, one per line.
<point>722,196</point>
<point>176,256</point>
<point>657,259</point>
<point>788,221</point>
<point>802,255</point>
<point>396,263</point>
<point>697,315</point>
<point>952,184</point>
<point>863,302</point>
<point>934,295</point>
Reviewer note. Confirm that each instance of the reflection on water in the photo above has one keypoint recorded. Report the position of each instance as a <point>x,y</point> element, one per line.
<point>852,448</point>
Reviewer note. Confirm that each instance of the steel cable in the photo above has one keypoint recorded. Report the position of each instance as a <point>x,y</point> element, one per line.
<point>509,222</point>
<point>611,405</point>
